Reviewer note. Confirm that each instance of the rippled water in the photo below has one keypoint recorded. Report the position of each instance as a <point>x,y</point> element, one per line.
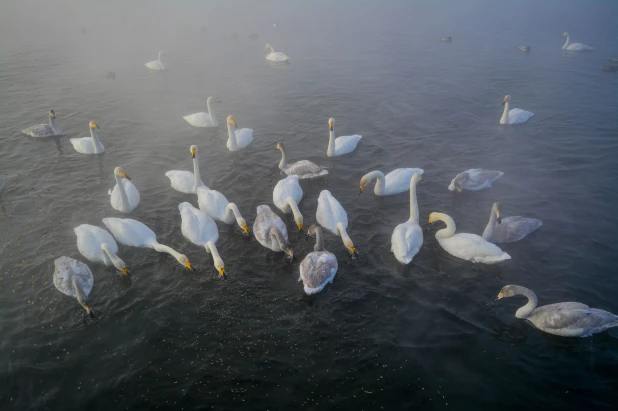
<point>383,335</point>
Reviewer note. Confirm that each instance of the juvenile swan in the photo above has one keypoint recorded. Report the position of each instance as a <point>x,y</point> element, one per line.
<point>509,229</point>
<point>319,267</point>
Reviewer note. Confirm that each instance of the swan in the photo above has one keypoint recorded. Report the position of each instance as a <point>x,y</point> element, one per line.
<point>286,196</point>
<point>89,145</point>
<point>98,246</point>
<point>568,319</point>
<point>319,267</point>
<point>218,208</point>
<point>466,246</point>
<point>447,39</point>
<point>407,237</point>
<point>474,179</point>
<point>204,119</point>
<point>515,115</point>
<point>237,138</point>
<point>135,234</point>
<point>303,169</point>
<point>395,182</point>
<point>275,55</point>
<point>340,145</point>
<point>124,197</point>
<point>270,231</point>
<point>44,130</point>
<point>74,278</point>
<point>156,64</point>
<point>509,229</point>
<point>574,46</point>
<point>525,49</point>
<point>331,215</point>
<point>185,181</point>
<point>201,230</point>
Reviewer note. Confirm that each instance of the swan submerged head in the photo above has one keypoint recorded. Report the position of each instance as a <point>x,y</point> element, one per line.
<point>119,172</point>
<point>52,114</point>
<point>331,123</point>
<point>231,120</point>
<point>93,124</point>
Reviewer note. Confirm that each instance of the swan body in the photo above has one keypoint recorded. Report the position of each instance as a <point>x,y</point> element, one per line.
<point>98,246</point>
<point>286,196</point>
<point>237,138</point>
<point>270,231</point>
<point>219,208</point>
<point>515,115</point>
<point>204,119</point>
<point>124,197</point>
<point>569,319</point>
<point>331,215</point>
<point>474,179</point>
<point>44,130</point>
<point>135,234</point>
<point>89,145</point>
<point>509,229</point>
<point>276,56</point>
<point>201,230</point>
<point>185,181</point>
<point>74,278</point>
<point>156,65</point>
<point>319,267</point>
<point>395,182</point>
<point>407,237</point>
<point>466,246</point>
<point>340,145</point>
<point>304,169</point>
<point>574,46</point>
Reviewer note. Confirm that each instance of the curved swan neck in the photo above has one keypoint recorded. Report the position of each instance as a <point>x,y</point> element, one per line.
<point>533,301</point>
<point>211,111</point>
<point>232,211</point>
<point>413,202</point>
<point>95,140</point>
<point>319,240</point>
<point>566,44</point>
<point>489,229</point>
<point>449,231</point>
<point>197,179</point>
<point>123,194</point>
<point>505,114</point>
<point>232,137</point>
<point>284,158</point>
<point>165,249</point>
<point>331,142</point>
<point>380,181</point>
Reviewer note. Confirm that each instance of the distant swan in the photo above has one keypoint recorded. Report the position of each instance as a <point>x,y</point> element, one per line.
<point>515,115</point>
<point>474,179</point>
<point>74,278</point>
<point>319,267</point>
<point>237,138</point>
<point>407,237</point>
<point>218,208</point>
<point>395,182</point>
<point>331,215</point>
<point>270,231</point>
<point>89,145</point>
<point>509,229</point>
<point>44,130</point>
<point>275,55</point>
<point>98,246</point>
<point>303,168</point>
<point>124,197</point>
<point>156,64</point>
<point>340,145</point>
<point>574,46</point>
<point>204,119</point>
<point>185,181</point>
<point>286,196</point>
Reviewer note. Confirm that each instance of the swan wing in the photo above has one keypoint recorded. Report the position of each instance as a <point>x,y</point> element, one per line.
<point>330,212</point>
<point>317,269</point>
<point>514,229</point>
<point>398,180</point>
<point>65,270</point>
<point>199,120</point>
<point>473,248</point>
<point>244,137</point>
<point>517,115</point>
<point>406,241</point>
<point>346,144</point>
<point>181,180</point>
<point>130,232</point>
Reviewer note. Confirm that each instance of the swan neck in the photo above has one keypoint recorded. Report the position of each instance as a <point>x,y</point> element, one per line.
<point>505,113</point>
<point>123,194</point>
<point>491,224</point>
<point>449,231</point>
<point>413,202</point>
<point>533,301</point>
<point>331,143</point>
<point>197,179</point>
<point>284,159</point>
<point>319,240</point>
<point>232,137</point>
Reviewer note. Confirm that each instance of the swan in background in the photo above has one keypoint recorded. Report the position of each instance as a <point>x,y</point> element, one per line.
<point>515,115</point>
<point>466,246</point>
<point>509,229</point>
<point>340,145</point>
<point>89,145</point>
<point>204,119</point>
<point>303,168</point>
<point>474,179</point>
<point>407,237</point>
<point>568,319</point>
<point>574,46</point>
<point>237,138</point>
<point>275,55</point>
<point>319,267</point>
<point>201,230</point>
<point>525,49</point>
<point>331,215</point>
<point>98,246</point>
<point>124,197</point>
<point>218,208</point>
<point>185,181</point>
<point>286,196</point>
<point>156,64</point>
<point>135,234</point>
<point>270,231</point>
<point>74,278</point>
<point>395,182</point>
<point>44,130</point>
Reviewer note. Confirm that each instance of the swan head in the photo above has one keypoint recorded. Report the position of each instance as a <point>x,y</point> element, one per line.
<point>507,98</point>
<point>497,209</point>
<point>119,172</point>
<point>507,291</point>
<point>331,123</point>
<point>93,124</point>
<point>182,259</point>
<point>52,114</point>
<point>565,34</point>
<point>193,150</point>
<point>231,120</point>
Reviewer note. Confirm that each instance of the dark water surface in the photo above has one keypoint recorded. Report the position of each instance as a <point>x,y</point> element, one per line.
<point>383,336</point>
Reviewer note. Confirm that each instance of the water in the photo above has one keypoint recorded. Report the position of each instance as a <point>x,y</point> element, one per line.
<point>382,336</point>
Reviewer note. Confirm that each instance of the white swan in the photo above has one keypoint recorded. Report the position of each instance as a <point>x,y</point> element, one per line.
<point>156,64</point>
<point>185,181</point>
<point>568,319</point>
<point>201,230</point>
<point>124,197</point>
<point>474,179</point>
<point>331,215</point>
<point>340,145</point>
<point>270,231</point>
<point>515,115</point>
<point>509,229</point>
<point>286,196</point>
<point>319,267</point>
<point>574,46</point>
<point>218,208</point>
<point>135,234</point>
<point>44,130</point>
<point>89,145</point>
<point>204,119</point>
<point>275,55</point>
<point>237,138</point>
<point>395,182</point>
<point>74,278</point>
<point>98,246</point>
<point>303,169</point>
<point>407,237</point>
<point>466,246</point>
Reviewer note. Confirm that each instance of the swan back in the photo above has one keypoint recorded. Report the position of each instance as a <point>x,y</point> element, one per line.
<point>68,269</point>
<point>131,232</point>
<point>330,212</point>
<point>197,226</point>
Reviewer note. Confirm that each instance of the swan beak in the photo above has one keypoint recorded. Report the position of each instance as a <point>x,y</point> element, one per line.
<point>125,271</point>
<point>222,272</point>
<point>188,265</point>
<point>500,296</point>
